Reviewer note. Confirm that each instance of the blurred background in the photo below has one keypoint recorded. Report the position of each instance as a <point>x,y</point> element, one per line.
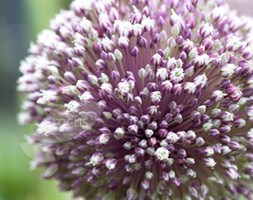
<point>20,22</point>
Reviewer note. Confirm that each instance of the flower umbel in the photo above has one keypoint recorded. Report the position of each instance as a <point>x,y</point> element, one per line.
<point>142,99</point>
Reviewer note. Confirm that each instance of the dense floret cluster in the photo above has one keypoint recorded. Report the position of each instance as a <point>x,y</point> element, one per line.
<point>144,99</point>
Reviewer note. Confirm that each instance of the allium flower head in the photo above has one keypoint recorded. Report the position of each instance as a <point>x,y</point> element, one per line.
<point>144,99</point>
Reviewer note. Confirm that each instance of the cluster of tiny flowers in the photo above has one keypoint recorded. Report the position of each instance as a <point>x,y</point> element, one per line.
<point>163,91</point>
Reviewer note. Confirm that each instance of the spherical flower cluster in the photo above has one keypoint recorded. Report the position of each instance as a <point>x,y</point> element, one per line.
<point>144,99</point>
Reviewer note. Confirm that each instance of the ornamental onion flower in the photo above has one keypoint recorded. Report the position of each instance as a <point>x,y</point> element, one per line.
<point>142,99</point>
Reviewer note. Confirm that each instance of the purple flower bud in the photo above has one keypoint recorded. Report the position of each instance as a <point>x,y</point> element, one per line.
<point>134,51</point>
<point>142,42</point>
<point>156,59</point>
<point>69,76</point>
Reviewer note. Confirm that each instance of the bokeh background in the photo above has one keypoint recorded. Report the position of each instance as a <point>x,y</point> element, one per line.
<point>20,21</point>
